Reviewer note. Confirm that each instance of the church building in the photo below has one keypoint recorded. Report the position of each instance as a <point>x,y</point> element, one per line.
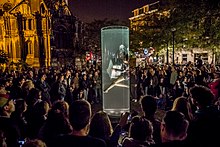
<point>25,30</point>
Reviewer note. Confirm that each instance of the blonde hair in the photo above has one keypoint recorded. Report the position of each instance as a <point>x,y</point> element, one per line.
<point>28,85</point>
<point>181,104</point>
<point>35,143</point>
<point>100,125</point>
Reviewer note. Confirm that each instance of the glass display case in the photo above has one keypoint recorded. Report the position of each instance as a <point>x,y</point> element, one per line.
<point>115,69</point>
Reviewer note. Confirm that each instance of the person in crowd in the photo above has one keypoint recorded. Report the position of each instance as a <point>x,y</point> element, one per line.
<point>61,106</point>
<point>26,87</point>
<point>80,117</point>
<point>76,80</point>
<point>2,87</point>
<point>173,76</point>
<point>37,118</point>
<point>97,86</point>
<point>90,89</point>
<point>42,85</point>
<point>34,143</point>
<point>7,126</point>
<point>181,104</point>
<point>133,85</point>
<point>199,62</point>
<point>173,130</point>
<point>33,97</point>
<point>68,78</point>
<point>179,88</point>
<point>204,130</point>
<point>68,81</point>
<point>146,81</point>
<point>199,78</point>
<point>140,133</point>
<point>215,85</point>
<point>101,127</point>
<point>30,76</point>
<point>16,89</point>
<point>149,107</point>
<point>19,118</point>
<point>57,124</point>
<point>153,82</point>
<point>58,89</point>
<point>84,86</point>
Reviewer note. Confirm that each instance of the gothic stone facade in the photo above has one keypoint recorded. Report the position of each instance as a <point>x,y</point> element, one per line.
<point>25,28</point>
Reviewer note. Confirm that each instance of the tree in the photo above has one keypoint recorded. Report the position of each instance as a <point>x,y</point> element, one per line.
<point>92,38</point>
<point>195,21</point>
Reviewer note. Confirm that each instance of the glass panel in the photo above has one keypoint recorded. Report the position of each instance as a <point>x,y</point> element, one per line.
<point>115,69</point>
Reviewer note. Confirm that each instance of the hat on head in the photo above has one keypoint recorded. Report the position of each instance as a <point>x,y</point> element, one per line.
<point>4,98</point>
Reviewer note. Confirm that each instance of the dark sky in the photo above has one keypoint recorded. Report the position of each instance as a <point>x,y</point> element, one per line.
<point>88,10</point>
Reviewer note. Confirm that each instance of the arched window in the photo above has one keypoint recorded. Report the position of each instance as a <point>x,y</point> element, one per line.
<point>42,9</point>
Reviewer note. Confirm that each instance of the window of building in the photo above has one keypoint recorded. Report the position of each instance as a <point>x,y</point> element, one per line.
<point>1,12</point>
<point>204,56</point>
<point>184,57</point>
<point>146,8</point>
<point>42,9</point>
<point>135,12</point>
<point>141,10</point>
<point>24,24</point>
<point>30,24</point>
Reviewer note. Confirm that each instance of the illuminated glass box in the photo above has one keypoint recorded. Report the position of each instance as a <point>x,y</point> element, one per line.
<point>115,69</point>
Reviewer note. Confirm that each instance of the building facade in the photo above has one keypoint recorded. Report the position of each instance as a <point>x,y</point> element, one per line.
<point>65,34</point>
<point>25,29</point>
<point>143,16</point>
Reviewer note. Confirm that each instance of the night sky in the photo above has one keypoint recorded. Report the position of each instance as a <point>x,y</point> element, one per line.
<point>88,10</point>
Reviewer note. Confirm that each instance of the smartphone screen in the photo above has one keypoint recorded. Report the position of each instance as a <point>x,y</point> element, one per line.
<point>129,117</point>
<point>21,143</point>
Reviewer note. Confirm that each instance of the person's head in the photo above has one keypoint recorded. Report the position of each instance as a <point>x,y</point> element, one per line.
<point>6,105</point>
<point>35,143</point>
<point>30,74</point>
<point>141,129</point>
<point>68,73</point>
<point>80,116</point>
<point>181,104</point>
<point>42,76</point>
<point>201,96</point>
<point>173,68</point>
<point>57,123</point>
<point>28,85</point>
<point>20,105</point>
<point>152,71</point>
<point>96,73</point>
<point>20,80</point>
<point>41,108</point>
<point>60,77</point>
<point>61,106</point>
<point>149,105</point>
<point>174,126</point>
<point>84,77</point>
<point>100,125</point>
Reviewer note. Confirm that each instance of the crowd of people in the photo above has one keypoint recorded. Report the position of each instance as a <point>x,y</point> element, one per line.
<point>52,107</point>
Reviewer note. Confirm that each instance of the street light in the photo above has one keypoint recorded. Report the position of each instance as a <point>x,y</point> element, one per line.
<point>173,30</point>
